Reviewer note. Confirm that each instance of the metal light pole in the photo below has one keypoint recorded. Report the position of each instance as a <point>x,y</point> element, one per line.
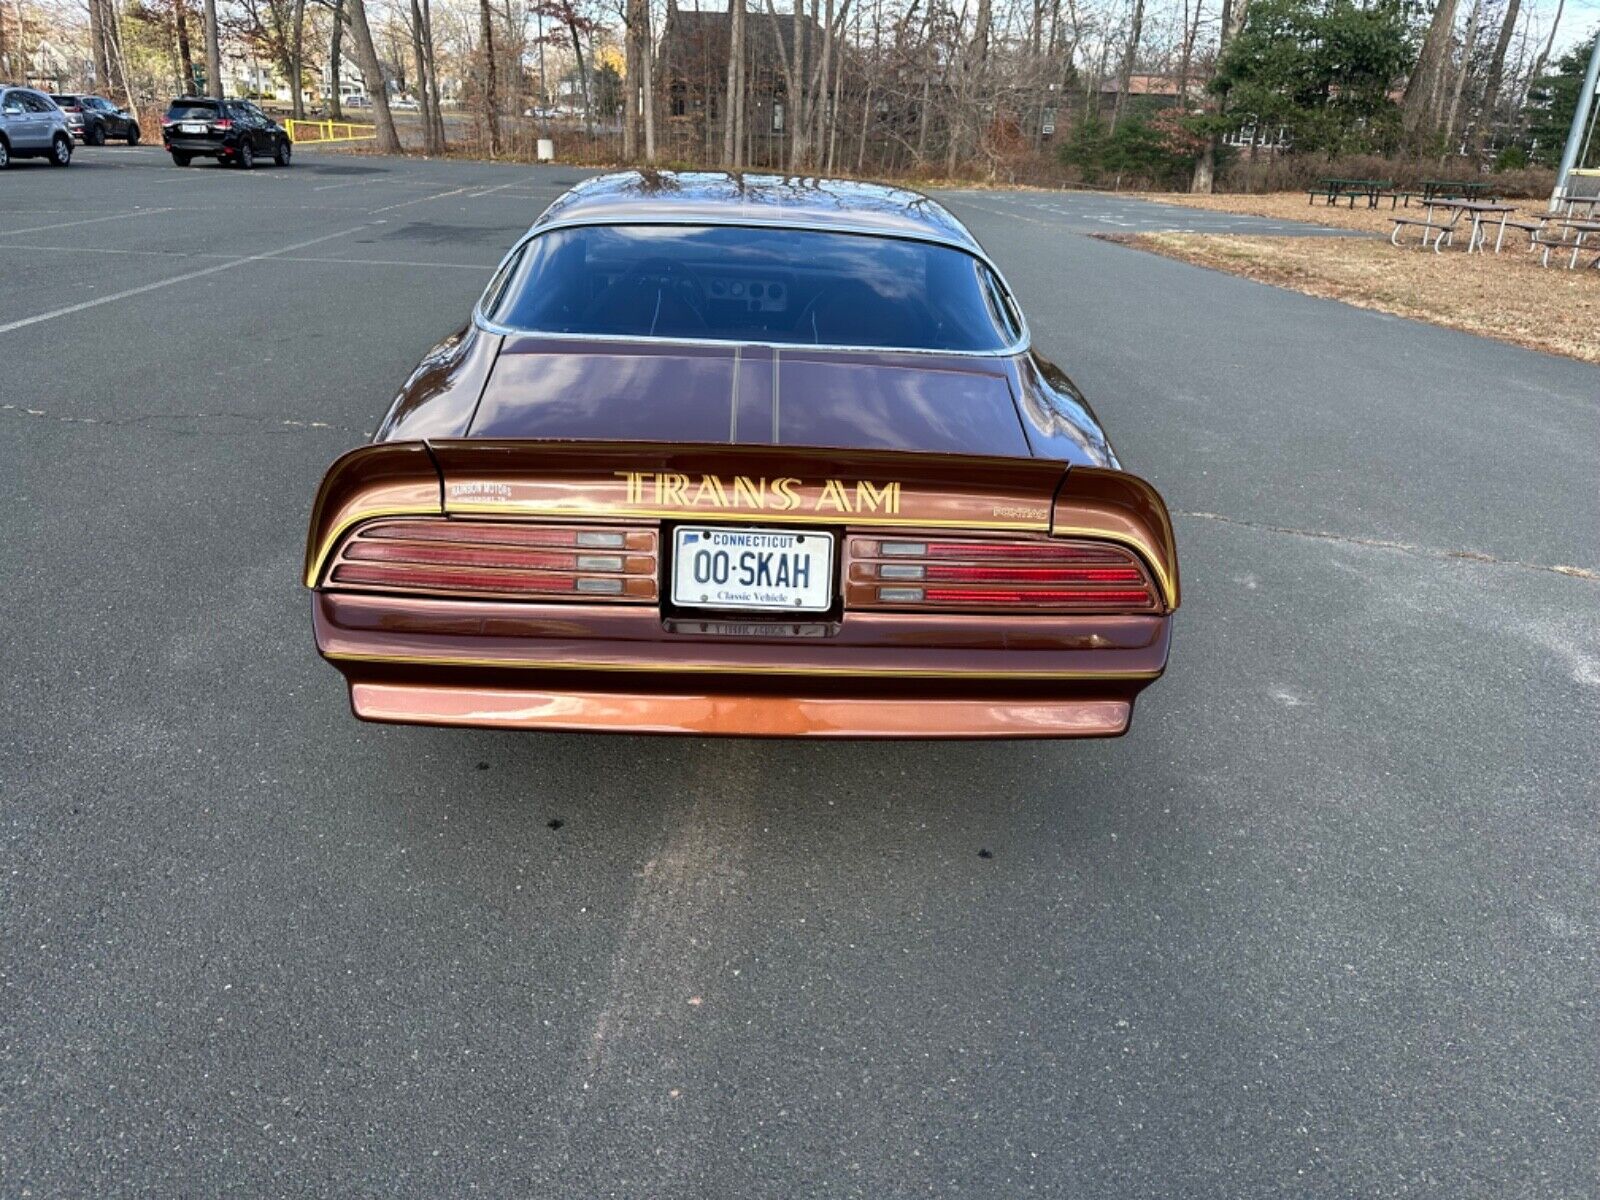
<point>1580,118</point>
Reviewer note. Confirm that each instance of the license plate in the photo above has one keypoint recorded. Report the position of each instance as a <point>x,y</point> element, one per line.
<point>188,127</point>
<point>752,569</point>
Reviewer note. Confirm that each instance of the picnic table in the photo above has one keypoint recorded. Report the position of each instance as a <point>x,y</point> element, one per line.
<point>1582,229</point>
<point>1461,189</point>
<point>1340,189</point>
<point>1573,203</point>
<point>1480,211</point>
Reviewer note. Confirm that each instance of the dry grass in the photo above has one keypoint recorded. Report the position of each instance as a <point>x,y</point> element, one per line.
<point>1507,296</point>
<point>1292,206</point>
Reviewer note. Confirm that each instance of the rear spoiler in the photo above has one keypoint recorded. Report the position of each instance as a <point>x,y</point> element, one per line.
<point>719,482</point>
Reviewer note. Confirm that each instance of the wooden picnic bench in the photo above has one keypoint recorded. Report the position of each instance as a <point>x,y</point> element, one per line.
<point>1349,189</point>
<point>1445,231</point>
<point>1462,189</point>
<point>1550,239</point>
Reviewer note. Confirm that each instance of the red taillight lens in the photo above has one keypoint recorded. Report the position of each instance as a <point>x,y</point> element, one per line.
<point>225,123</point>
<point>1040,575</point>
<point>501,560</point>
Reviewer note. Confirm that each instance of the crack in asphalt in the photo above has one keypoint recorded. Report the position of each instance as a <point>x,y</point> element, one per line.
<point>149,418</point>
<point>1404,547</point>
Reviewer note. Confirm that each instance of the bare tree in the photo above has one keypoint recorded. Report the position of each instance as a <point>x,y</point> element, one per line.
<point>335,48</point>
<point>297,73</point>
<point>372,71</point>
<point>733,118</point>
<point>213,52</point>
<point>1420,105</point>
<point>180,31</point>
<point>1125,75</point>
<point>1205,166</point>
<point>1496,75</point>
<point>1549,44</point>
<point>491,100</point>
<point>427,102</point>
<point>1469,42</point>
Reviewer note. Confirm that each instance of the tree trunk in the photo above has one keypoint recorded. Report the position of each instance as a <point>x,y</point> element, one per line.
<point>1491,87</point>
<point>631,70</point>
<point>297,84</point>
<point>439,138</point>
<point>647,99</point>
<point>1205,167</point>
<point>1191,33</point>
<point>372,72</point>
<point>1419,106</point>
<point>213,52</point>
<point>335,37</point>
<point>792,66</point>
<point>1544,54</point>
<point>491,101</point>
<point>419,55</point>
<point>97,42</point>
<point>180,21</point>
<point>734,117</point>
<point>800,114</point>
<point>1125,75</point>
<point>1468,44</point>
<point>824,86</point>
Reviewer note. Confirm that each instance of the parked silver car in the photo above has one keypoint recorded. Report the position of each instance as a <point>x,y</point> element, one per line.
<point>31,126</point>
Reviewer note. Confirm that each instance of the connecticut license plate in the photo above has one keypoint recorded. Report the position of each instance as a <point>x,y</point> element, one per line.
<point>752,569</point>
<point>189,127</point>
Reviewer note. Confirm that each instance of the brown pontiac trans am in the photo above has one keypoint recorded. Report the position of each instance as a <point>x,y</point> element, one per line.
<point>726,454</point>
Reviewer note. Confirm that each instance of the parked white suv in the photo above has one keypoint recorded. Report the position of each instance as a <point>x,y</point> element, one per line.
<point>31,126</point>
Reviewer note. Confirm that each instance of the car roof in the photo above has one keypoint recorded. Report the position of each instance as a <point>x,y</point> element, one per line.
<point>734,198</point>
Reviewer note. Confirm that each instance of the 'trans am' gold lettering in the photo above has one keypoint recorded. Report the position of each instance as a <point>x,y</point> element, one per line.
<point>673,489</point>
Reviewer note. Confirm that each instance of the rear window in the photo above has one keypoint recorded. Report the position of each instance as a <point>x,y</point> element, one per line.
<point>736,283</point>
<point>192,110</point>
<point>64,100</point>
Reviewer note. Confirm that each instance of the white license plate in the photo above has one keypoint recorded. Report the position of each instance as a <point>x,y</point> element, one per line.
<point>189,127</point>
<point>752,569</point>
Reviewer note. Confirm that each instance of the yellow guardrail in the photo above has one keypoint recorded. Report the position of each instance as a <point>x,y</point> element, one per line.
<point>311,132</point>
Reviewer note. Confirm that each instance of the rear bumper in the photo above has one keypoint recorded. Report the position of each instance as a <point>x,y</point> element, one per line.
<point>197,147</point>
<point>622,669</point>
<point>735,714</point>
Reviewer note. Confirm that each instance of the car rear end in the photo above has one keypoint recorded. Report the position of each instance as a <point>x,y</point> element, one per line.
<point>198,128</point>
<point>72,107</point>
<point>716,589</point>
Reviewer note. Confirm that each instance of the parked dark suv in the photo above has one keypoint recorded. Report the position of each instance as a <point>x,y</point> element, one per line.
<point>93,119</point>
<point>230,131</point>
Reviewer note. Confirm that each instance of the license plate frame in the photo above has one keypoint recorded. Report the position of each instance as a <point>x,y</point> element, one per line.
<point>778,587</point>
<point>193,127</point>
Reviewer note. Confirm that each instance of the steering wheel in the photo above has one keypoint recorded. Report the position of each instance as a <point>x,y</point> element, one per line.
<point>670,273</point>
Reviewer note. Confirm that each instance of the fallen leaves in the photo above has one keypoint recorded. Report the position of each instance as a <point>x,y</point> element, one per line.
<point>1508,296</point>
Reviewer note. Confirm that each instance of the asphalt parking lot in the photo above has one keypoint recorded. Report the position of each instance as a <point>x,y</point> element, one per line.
<point>1323,924</point>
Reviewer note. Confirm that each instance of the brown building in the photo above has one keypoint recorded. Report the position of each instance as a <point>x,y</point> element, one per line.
<point>693,73</point>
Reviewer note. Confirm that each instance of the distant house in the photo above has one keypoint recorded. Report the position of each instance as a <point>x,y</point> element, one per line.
<point>1157,90</point>
<point>693,66</point>
<point>48,68</point>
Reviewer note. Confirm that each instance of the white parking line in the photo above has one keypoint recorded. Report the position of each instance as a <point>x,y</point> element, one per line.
<point>163,283</point>
<point>277,256</point>
<point>142,212</point>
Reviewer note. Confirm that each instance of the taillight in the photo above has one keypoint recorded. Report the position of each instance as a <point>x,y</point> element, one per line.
<point>1042,575</point>
<point>499,560</point>
<point>225,123</point>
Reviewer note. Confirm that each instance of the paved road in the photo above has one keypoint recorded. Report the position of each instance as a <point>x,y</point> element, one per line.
<point>1323,924</point>
<point>1103,213</point>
